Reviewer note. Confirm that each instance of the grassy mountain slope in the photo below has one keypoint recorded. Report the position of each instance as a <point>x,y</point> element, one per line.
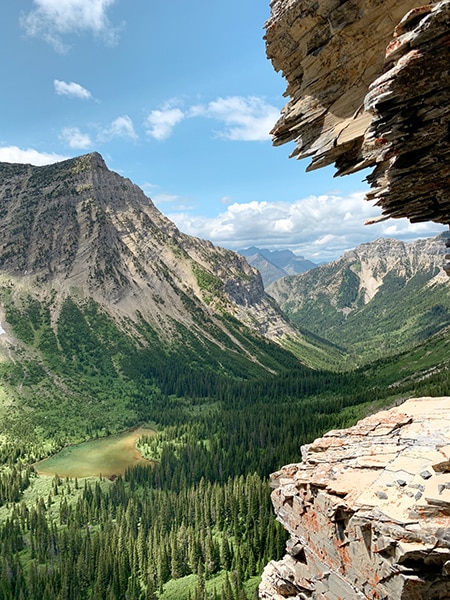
<point>377,300</point>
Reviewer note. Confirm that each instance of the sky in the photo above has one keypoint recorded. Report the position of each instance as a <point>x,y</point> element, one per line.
<point>180,98</point>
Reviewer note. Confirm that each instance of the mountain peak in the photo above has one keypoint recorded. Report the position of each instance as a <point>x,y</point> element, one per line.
<point>76,226</point>
<point>275,264</point>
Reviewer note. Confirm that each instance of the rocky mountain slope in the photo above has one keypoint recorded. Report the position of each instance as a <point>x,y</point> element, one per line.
<point>78,228</point>
<point>363,301</point>
<point>274,264</point>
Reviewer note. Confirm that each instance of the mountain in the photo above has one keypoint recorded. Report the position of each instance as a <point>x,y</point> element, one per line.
<point>380,298</point>
<point>98,290</point>
<point>274,264</point>
<point>79,228</point>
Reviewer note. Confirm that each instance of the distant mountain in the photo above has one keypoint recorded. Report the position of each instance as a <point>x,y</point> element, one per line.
<point>274,264</point>
<point>383,297</point>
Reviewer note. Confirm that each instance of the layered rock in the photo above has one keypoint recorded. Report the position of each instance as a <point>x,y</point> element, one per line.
<point>368,510</point>
<point>369,86</point>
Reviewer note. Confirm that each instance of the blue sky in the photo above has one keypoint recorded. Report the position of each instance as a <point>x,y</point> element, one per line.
<point>180,98</point>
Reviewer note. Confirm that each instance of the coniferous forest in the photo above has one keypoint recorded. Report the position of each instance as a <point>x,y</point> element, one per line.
<point>195,522</point>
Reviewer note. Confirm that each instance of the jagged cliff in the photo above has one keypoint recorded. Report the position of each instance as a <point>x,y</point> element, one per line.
<point>368,511</point>
<point>368,85</point>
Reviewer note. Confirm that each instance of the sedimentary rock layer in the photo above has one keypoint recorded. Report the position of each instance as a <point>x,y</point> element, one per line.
<point>368,510</point>
<point>369,85</point>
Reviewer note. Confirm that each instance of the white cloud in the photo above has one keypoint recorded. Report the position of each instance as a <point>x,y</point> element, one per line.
<point>74,138</point>
<point>165,198</point>
<point>121,127</point>
<point>320,228</point>
<point>246,119</point>
<point>75,90</point>
<point>160,123</point>
<point>52,19</point>
<point>29,156</point>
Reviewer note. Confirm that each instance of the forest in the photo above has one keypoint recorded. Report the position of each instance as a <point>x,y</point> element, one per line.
<point>196,523</point>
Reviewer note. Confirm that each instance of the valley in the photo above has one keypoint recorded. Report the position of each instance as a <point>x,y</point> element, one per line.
<point>180,336</point>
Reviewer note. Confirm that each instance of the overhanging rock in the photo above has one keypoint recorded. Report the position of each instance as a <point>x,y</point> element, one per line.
<point>369,85</point>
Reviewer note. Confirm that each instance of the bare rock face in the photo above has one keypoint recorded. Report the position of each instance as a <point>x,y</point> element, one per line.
<point>368,510</point>
<point>369,86</point>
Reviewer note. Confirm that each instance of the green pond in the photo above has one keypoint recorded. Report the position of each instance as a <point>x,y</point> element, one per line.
<point>106,456</point>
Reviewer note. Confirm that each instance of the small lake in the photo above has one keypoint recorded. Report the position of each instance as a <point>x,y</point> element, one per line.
<point>106,456</point>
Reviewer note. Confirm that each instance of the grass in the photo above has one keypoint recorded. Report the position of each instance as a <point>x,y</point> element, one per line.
<point>183,588</point>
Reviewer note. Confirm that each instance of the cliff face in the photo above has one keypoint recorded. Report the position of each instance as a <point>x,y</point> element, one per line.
<point>368,85</point>
<point>368,510</point>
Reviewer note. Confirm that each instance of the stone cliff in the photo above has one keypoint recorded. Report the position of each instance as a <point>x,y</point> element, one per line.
<point>368,510</point>
<point>368,86</point>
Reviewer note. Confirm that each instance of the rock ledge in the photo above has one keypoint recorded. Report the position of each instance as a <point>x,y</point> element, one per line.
<point>369,86</point>
<point>368,510</point>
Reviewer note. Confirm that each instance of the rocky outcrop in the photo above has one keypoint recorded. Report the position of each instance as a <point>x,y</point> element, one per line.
<point>368,510</point>
<point>369,86</point>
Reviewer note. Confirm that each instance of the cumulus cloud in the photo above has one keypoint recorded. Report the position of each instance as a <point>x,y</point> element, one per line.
<point>121,127</point>
<point>74,138</point>
<point>52,19</point>
<point>245,119</point>
<point>239,118</point>
<point>160,123</point>
<point>29,156</point>
<point>72,89</point>
<point>321,228</point>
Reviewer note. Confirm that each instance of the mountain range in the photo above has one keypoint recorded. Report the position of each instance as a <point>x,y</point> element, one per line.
<point>381,298</point>
<point>95,283</point>
<point>275,264</point>
<point>75,229</point>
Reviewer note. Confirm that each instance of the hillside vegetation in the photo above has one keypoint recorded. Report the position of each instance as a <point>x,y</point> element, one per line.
<point>117,320</point>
